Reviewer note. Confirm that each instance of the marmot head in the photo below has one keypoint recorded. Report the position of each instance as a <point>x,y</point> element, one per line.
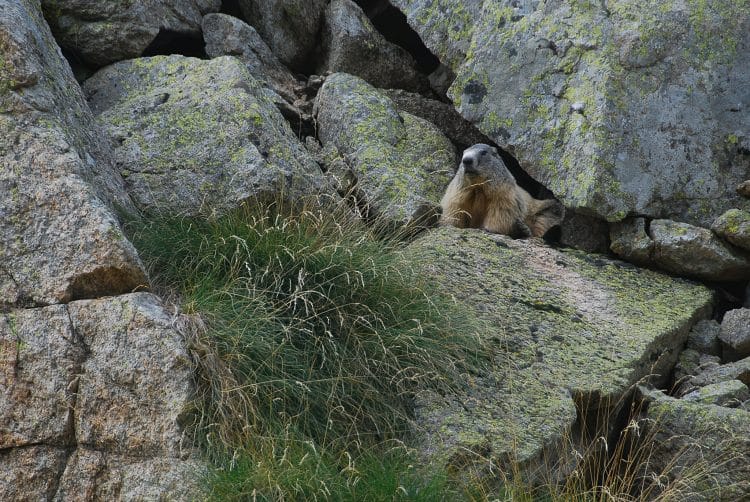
<point>481,163</point>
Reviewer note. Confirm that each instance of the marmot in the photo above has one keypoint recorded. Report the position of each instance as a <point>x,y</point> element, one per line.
<point>483,194</point>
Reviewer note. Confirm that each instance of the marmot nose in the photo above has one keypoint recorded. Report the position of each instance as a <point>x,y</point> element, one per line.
<point>467,161</point>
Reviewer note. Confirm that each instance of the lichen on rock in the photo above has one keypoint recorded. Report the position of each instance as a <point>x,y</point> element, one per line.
<point>401,163</point>
<point>197,136</point>
<point>568,329</point>
<point>618,107</point>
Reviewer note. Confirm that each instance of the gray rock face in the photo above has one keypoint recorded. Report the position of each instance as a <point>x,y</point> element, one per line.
<point>735,334</point>
<point>59,240</point>
<point>131,346</point>
<point>41,365</point>
<point>351,44</point>
<point>705,447</point>
<point>618,107</point>
<point>704,337</point>
<point>109,375</point>
<point>584,233</point>
<point>289,27</point>
<point>445,26</point>
<point>737,370</point>
<point>696,252</point>
<point>734,226</point>
<point>400,163</point>
<point>198,136</point>
<point>443,115</point>
<point>31,473</point>
<point>679,248</point>
<point>105,32</point>
<point>567,327</point>
<point>731,394</point>
<point>228,36</point>
<point>104,476</point>
<point>630,241</point>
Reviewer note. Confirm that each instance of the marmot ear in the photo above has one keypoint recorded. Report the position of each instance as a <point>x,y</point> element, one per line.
<point>494,150</point>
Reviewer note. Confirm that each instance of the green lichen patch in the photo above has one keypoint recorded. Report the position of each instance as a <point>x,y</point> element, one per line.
<point>734,226</point>
<point>401,163</point>
<point>566,326</point>
<point>195,134</point>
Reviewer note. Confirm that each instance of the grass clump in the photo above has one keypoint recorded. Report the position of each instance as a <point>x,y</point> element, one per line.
<point>312,337</point>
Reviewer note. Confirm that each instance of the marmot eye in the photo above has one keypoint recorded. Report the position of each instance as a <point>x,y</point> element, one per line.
<point>484,152</point>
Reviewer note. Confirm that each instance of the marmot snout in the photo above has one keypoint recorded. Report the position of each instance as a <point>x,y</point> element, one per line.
<point>484,194</point>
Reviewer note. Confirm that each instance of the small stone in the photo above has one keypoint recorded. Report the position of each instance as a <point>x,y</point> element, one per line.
<point>630,241</point>
<point>731,394</point>
<point>704,337</point>
<point>744,189</point>
<point>696,252</point>
<point>737,370</point>
<point>735,334</point>
<point>687,365</point>
<point>734,226</point>
<point>708,361</point>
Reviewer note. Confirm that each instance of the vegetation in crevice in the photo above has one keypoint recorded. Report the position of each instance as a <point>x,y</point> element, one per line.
<point>312,337</point>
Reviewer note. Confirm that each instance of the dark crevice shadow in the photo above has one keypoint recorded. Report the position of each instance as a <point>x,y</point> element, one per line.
<point>392,24</point>
<point>169,42</point>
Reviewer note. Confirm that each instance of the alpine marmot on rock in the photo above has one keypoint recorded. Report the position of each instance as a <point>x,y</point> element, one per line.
<point>483,194</point>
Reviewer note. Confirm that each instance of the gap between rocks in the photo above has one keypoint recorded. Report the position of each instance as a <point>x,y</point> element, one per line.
<point>392,24</point>
<point>169,42</point>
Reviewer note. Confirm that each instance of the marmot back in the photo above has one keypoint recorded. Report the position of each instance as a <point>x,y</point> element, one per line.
<point>484,194</point>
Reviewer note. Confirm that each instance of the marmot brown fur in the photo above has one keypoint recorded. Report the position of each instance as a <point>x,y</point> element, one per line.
<point>483,194</point>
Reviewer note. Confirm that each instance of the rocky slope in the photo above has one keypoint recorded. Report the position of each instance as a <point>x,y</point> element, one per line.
<point>633,114</point>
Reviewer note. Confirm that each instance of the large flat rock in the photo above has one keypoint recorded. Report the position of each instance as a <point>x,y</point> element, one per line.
<point>572,334</point>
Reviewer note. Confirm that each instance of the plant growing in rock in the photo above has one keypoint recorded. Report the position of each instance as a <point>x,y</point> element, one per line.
<point>311,336</point>
<point>609,458</point>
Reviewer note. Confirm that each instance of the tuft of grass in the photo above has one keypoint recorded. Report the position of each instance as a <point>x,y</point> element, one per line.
<point>305,322</point>
<point>605,458</point>
<point>290,468</point>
